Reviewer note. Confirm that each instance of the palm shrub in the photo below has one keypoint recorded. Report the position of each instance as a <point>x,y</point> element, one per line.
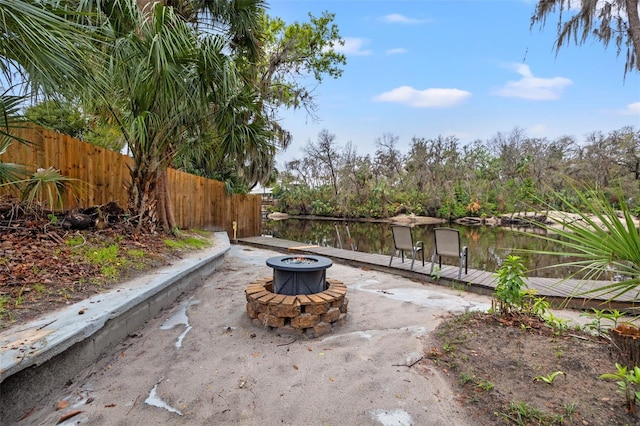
<point>601,243</point>
<point>47,188</point>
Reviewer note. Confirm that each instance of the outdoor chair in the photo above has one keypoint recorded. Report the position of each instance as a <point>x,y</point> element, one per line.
<point>403,241</point>
<point>447,243</point>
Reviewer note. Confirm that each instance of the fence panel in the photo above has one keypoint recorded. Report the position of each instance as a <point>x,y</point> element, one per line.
<point>198,202</point>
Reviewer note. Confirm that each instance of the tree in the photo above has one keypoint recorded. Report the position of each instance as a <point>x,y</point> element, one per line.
<point>325,154</point>
<point>41,53</point>
<point>166,78</point>
<point>290,53</point>
<point>62,117</point>
<point>607,20</point>
<point>388,160</point>
<point>293,52</point>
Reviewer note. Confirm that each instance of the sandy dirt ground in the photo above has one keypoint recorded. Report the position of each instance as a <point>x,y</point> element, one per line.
<point>205,363</point>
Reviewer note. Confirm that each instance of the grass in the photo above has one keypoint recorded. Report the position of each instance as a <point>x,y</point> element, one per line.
<point>113,261</point>
<point>4,300</point>
<point>522,413</point>
<point>195,242</point>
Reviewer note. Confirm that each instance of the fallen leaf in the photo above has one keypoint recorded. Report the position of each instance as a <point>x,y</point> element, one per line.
<point>61,405</point>
<point>68,416</point>
<point>295,367</point>
<point>256,354</point>
<point>331,379</point>
<point>321,353</point>
<point>109,405</point>
<point>309,348</point>
<point>89,400</point>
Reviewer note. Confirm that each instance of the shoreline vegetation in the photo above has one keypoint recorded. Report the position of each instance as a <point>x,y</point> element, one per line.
<point>552,219</point>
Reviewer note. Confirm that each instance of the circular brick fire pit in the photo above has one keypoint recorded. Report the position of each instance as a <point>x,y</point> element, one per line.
<point>306,302</point>
<point>293,275</point>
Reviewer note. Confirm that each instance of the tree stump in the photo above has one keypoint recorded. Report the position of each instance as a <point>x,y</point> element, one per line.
<point>626,344</point>
<point>75,220</point>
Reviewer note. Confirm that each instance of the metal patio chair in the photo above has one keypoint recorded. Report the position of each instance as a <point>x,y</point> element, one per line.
<point>447,244</point>
<point>403,241</point>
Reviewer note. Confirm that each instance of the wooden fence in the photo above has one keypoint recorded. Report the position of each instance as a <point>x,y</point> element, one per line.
<point>198,202</point>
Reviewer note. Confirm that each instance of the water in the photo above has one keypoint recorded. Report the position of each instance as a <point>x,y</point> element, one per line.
<point>488,246</point>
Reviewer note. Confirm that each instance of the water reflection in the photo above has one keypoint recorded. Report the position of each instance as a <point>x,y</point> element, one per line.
<point>488,246</point>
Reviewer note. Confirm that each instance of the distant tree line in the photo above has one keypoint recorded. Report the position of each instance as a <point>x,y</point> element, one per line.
<point>444,178</point>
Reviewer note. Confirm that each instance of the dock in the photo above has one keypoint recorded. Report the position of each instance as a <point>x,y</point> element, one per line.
<point>560,293</point>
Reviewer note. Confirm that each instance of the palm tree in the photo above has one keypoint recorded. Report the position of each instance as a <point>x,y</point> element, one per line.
<point>41,53</point>
<point>167,81</point>
<point>41,49</point>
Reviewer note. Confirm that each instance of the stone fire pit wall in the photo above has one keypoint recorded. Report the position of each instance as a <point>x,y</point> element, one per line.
<point>313,314</point>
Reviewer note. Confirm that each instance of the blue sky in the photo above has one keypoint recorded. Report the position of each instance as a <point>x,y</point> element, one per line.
<point>473,68</point>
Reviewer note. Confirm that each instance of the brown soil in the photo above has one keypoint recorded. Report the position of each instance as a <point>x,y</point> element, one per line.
<point>45,265</point>
<point>496,364</point>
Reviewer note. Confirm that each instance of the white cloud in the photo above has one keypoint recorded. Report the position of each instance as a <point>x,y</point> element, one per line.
<point>396,18</point>
<point>353,46</point>
<point>632,109</point>
<point>532,87</point>
<point>428,98</point>
<point>396,51</point>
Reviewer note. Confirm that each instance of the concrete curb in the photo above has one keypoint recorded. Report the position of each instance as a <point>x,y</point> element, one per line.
<point>40,356</point>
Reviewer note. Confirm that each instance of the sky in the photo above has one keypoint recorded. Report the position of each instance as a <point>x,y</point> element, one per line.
<point>469,69</point>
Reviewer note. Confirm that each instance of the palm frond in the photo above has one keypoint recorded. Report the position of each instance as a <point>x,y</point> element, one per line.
<point>601,241</point>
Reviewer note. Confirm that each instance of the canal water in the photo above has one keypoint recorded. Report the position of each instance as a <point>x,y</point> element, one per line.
<point>488,246</point>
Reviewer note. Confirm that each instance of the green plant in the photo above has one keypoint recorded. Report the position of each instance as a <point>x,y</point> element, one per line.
<point>49,186</point>
<point>4,300</point>
<point>19,298</point>
<point>628,381</point>
<point>75,240</point>
<point>540,305</point>
<point>486,385</point>
<point>599,315</point>
<point>523,414</point>
<point>465,378</point>
<point>560,325</point>
<point>53,218</point>
<point>509,291</point>
<point>548,379</point>
<point>110,272</point>
<point>559,352</point>
<point>194,243</point>
<point>64,293</point>
<point>449,348</point>
<point>602,241</point>
<point>436,273</point>
<point>570,410</point>
<point>135,253</point>
<point>103,255</point>
<point>40,288</point>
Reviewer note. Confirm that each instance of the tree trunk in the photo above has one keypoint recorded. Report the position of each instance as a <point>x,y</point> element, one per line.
<point>149,197</point>
<point>634,28</point>
<point>165,206</point>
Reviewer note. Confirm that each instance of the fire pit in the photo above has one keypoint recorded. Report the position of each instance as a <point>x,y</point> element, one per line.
<point>298,298</point>
<point>294,275</point>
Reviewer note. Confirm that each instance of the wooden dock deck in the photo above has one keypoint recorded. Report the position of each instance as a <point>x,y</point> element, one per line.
<point>567,293</point>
